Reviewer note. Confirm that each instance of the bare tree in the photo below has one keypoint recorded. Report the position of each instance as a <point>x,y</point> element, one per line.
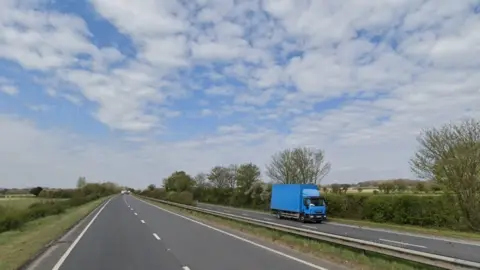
<point>450,156</point>
<point>200,179</point>
<point>298,166</point>
<point>220,177</point>
<point>282,168</point>
<point>232,176</point>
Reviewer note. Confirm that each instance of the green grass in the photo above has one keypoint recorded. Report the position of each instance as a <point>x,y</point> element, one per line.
<point>334,253</point>
<point>17,247</point>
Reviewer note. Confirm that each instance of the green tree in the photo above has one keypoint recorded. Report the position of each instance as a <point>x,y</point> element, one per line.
<point>36,191</point>
<point>345,187</point>
<point>298,166</point>
<point>151,187</point>
<point>420,187</point>
<point>247,174</point>
<point>400,186</point>
<point>386,187</point>
<point>359,189</point>
<point>81,182</point>
<point>336,188</point>
<point>450,155</point>
<point>178,181</point>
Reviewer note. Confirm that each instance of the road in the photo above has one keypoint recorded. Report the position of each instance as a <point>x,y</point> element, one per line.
<point>128,233</point>
<point>465,250</point>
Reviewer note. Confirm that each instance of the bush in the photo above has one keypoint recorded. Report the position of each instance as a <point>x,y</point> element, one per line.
<point>11,220</point>
<point>184,197</point>
<point>432,211</point>
<point>43,209</point>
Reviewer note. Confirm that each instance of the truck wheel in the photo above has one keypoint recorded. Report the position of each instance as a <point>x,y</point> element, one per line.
<point>302,218</point>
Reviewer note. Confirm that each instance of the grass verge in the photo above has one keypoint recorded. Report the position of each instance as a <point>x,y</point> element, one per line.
<point>471,236</point>
<point>17,247</point>
<point>352,259</point>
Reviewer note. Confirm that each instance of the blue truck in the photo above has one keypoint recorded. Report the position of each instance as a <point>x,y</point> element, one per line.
<point>298,201</point>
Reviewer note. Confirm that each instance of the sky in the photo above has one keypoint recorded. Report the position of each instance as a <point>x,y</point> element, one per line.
<point>130,91</point>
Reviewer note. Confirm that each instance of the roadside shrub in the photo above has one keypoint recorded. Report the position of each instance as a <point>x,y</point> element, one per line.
<point>431,211</point>
<point>43,209</point>
<point>10,220</point>
<point>184,197</point>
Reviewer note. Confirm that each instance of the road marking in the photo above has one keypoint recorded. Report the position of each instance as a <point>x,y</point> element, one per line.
<point>135,214</point>
<point>156,236</point>
<point>310,227</point>
<point>186,268</point>
<point>401,243</point>
<point>143,221</point>
<point>240,238</point>
<point>69,250</point>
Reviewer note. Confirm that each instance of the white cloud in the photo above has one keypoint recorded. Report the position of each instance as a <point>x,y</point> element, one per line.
<point>40,108</point>
<point>7,87</point>
<point>9,90</point>
<point>358,78</point>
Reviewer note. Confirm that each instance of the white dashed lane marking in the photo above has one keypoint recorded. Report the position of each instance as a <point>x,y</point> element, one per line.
<point>156,236</point>
<point>401,243</point>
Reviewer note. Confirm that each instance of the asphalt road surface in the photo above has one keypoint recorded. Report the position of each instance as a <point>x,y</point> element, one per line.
<point>128,233</point>
<point>466,250</point>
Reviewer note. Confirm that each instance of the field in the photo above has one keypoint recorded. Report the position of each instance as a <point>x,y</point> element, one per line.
<point>19,202</point>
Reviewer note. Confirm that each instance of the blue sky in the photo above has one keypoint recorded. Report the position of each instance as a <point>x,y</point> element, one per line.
<point>123,90</point>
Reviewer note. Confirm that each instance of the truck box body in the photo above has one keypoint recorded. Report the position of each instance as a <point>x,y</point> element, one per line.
<point>289,200</point>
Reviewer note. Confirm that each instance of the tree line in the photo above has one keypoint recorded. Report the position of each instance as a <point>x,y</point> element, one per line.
<point>447,159</point>
<point>388,187</point>
<point>54,202</point>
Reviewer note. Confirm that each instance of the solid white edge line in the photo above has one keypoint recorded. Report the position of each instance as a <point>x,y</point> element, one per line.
<point>72,246</point>
<point>241,238</point>
<point>401,243</point>
<point>156,236</point>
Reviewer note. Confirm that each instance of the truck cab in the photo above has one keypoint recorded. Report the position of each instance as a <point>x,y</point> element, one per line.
<point>314,208</point>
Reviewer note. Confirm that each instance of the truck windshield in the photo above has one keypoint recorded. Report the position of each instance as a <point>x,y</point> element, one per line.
<point>315,201</point>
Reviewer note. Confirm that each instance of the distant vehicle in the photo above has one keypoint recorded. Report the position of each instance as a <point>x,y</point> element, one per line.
<point>125,191</point>
<point>298,201</point>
